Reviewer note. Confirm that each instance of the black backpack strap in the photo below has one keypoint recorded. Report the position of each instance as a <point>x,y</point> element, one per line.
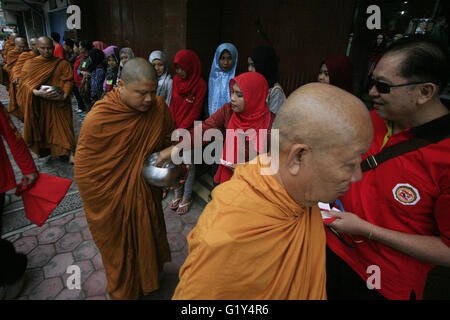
<point>428,133</point>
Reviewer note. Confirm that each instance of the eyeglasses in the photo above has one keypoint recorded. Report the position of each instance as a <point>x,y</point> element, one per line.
<point>385,88</point>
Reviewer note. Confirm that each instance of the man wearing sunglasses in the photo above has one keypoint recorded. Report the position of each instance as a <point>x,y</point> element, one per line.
<point>397,224</point>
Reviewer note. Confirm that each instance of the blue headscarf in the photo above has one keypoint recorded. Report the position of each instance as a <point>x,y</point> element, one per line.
<point>219,81</point>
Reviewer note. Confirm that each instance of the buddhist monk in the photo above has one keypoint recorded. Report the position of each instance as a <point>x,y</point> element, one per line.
<point>14,108</point>
<point>48,127</point>
<point>124,213</point>
<point>262,236</point>
<point>9,45</point>
<point>13,58</point>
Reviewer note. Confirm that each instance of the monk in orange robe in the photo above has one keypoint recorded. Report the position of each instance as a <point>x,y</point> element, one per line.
<point>123,211</point>
<point>14,108</point>
<point>48,127</point>
<point>262,235</point>
<point>9,45</point>
<point>13,58</point>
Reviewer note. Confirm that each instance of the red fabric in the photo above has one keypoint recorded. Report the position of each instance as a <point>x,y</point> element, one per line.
<point>76,77</point>
<point>99,45</point>
<point>220,120</point>
<point>340,71</point>
<point>377,198</point>
<point>186,104</point>
<point>43,197</point>
<point>59,51</point>
<point>18,149</point>
<point>256,115</point>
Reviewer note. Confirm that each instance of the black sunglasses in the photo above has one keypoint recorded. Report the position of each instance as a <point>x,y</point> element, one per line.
<point>385,88</point>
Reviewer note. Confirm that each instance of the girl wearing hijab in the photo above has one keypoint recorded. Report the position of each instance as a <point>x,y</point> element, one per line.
<point>125,54</point>
<point>337,71</point>
<point>111,72</point>
<point>264,60</point>
<point>188,94</point>
<point>223,69</point>
<point>94,75</point>
<point>159,61</point>
<point>246,110</point>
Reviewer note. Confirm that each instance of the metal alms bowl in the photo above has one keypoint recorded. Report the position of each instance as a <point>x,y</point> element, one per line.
<point>52,88</point>
<point>169,176</point>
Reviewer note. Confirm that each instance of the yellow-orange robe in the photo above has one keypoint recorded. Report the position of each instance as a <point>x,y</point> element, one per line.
<point>253,241</point>
<point>48,127</point>
<point>8,46</point>
<point>123,212</point>
<point>14,72</point>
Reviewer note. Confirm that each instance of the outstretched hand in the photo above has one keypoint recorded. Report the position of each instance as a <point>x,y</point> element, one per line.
<point>349,223</point>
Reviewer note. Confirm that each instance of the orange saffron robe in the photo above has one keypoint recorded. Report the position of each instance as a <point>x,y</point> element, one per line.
<point>253,241</point>
<point>48,127</point>
<point>123,211</point>
<point>13,107</point>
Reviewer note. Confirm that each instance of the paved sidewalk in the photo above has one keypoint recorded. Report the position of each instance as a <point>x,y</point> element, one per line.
<point>65,240</point>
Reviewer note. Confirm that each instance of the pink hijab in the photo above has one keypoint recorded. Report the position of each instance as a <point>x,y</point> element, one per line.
<point>99,45</point>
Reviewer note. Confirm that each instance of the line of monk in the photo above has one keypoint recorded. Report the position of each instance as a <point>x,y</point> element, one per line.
<point>46,114</point>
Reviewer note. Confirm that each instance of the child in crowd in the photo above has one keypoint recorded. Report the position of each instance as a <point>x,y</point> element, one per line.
<point>188,94</point>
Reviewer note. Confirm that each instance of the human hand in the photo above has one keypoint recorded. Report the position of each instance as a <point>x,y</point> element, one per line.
<point>30,179</point>
<point>185,169</point>
<point>350,223</point>
<point>164,157</point>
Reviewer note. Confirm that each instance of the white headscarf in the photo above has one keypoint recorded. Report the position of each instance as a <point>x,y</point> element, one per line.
<point>165,80</point>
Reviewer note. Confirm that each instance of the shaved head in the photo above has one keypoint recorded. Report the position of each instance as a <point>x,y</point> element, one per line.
<point>34,45</point>
<point>321,116</point>
<point>136,69</point>
<point>45,47</point>
<point>324,131</point>
<point>137,85</point>
<point>21,44</point>
<point>45,40</point>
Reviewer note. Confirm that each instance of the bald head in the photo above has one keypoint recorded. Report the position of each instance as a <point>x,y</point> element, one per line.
<point>136,69</point>
<point>45,40</point>
<point>322,115</point>
<point>34,45</point>
<point>20,43</point>
<point>324,131</point>
<point>45,47</point>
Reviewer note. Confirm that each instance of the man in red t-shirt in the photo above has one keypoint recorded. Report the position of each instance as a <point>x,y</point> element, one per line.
<point>12,264</point>
<point>397,223</point>
<point>59,49</point>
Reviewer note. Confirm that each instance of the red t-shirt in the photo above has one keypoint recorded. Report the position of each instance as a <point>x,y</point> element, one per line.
<point>410,194</point>
<point>18,149</point>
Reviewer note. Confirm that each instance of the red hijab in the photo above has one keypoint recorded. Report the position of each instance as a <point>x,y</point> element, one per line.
<point>341,72</point>
<point>186,92</point>
<point>189,61</point>
<point>256,115</point>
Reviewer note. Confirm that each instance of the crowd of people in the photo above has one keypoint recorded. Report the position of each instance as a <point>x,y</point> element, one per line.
<point>260,236</point>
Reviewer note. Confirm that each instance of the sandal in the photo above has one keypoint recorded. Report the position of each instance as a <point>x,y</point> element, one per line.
<point>184,208</point>
<point>175,203</point>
